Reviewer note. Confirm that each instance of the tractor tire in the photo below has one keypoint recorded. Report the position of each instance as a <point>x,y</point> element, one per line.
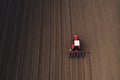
<point>74,55</point>
<point>82,55</point>
<point>78,55</point>
<point>71,55</point>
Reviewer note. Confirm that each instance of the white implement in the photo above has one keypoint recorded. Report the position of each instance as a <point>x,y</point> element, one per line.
<point>76,42</point>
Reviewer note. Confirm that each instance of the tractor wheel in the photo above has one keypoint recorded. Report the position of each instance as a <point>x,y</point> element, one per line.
<point>74,55</point>
<point>71,55</point>
<point>78,55</point>
<point>82,55</point>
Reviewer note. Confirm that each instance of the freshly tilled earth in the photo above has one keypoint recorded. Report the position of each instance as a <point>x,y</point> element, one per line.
<point>35,36</point>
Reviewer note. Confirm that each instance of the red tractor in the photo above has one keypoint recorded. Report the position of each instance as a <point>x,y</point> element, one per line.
<point>76,50</point>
